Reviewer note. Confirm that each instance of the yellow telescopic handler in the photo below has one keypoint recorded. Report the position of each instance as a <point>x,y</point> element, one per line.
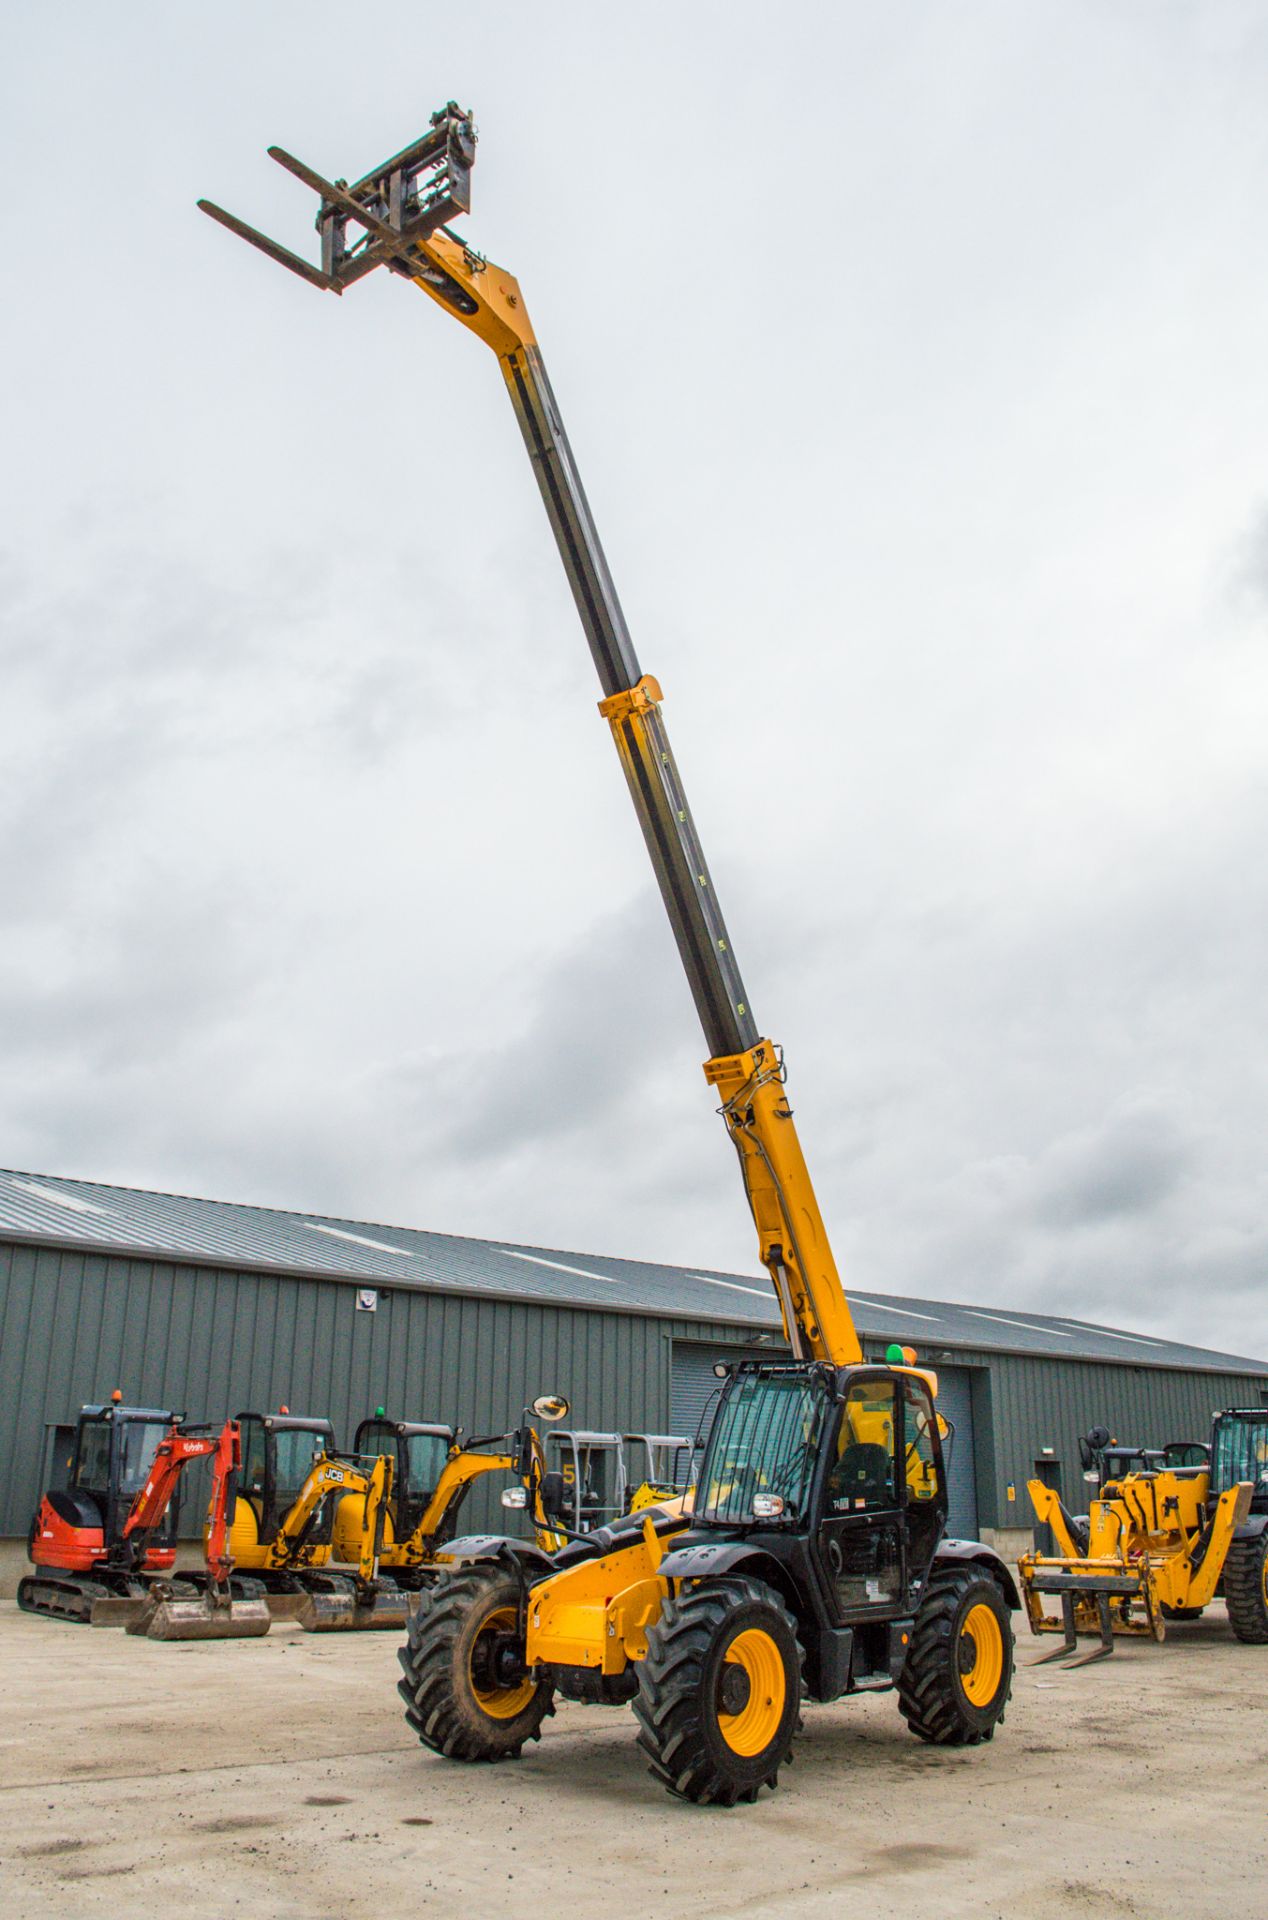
<point>813,1560</point>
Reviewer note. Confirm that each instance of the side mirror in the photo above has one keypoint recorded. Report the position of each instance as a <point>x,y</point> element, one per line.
<point>551,1406</point>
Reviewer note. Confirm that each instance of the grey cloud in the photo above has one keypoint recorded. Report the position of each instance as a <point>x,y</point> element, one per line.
<point>1130,1163</point>
<point>315,890</point>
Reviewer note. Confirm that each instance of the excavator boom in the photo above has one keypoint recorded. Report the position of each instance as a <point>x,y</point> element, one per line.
<point>401,210</point>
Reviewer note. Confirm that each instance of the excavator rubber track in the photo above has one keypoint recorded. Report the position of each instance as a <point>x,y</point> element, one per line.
<point>87,1602</point>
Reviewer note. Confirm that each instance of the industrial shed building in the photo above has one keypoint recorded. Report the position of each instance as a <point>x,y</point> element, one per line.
<point>213,1308</point>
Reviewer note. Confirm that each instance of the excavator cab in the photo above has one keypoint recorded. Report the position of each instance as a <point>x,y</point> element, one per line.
<point>420,1450</point>
<point>114,1450</point>
<point>278,1451</point>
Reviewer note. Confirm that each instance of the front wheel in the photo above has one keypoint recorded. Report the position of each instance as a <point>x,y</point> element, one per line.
<point>958,1674</point>
<point>466,1692</point>
<point>1246,1588</point>
<point>719,1691</point>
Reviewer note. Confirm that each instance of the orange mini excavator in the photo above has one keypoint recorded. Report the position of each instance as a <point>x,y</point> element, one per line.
<point>104,1545</point>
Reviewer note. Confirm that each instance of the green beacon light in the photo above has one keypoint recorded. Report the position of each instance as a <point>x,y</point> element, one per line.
<point>894,1356</point>
<point>378,1413</point>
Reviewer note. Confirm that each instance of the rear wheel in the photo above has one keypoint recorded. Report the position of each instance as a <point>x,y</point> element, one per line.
<point>719,1691</point>
<point>958,1673</point>
<point>1246,1588</point>
<point>465,1689</point>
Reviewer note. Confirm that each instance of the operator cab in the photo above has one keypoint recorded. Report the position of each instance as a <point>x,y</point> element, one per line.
<point>848,1461</point>
<point>278,1452</point>
<point>659,1460</point>
<point>114,1451</point>
<point>419,1451</point>
<point>1239,1452</point>
<point>586,1476</point>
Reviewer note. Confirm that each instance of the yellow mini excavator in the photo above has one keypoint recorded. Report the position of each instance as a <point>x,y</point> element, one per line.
<point>1159,1542</point>
<point>815,1558</point>
<point>433,1471</point>
<point>291,1481</point>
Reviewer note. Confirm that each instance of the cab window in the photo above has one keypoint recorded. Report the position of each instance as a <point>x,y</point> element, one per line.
<point>252,1477</point>
<point>862,1478</point>
<point>139,1442</point>
<point>425,1457</point>
<point>919,1465</point>
<point>92,1469</point>
<point>376,1437</point>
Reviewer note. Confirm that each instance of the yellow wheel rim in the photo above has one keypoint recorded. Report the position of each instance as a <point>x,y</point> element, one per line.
<point>980,1655</point>
<point>500,1703</point>
<point>757,1722</point>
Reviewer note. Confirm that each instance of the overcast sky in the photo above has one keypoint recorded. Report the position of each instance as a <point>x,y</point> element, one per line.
<point>915,359</point>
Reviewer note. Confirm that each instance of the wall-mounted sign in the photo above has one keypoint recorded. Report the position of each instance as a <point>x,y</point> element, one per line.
<point>367,1300</point>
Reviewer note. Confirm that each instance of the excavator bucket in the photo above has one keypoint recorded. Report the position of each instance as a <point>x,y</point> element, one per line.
<point>202,1616</point>
<point>338,1608</point>
<point>114,1610</point>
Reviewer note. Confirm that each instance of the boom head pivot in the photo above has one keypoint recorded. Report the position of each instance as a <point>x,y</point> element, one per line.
<point>404,201</point>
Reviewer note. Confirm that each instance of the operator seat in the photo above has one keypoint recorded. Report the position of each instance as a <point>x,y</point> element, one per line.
<point>862,1473</point>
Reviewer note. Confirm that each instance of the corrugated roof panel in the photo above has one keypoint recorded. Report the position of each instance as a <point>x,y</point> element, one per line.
<point>49,1210</point>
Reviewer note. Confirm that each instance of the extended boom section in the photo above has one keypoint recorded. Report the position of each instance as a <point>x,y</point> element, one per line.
<point>402,208</point>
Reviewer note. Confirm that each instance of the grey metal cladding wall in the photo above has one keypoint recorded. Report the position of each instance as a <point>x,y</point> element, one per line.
<point>1038,1403</point>
<point>74,1326</point>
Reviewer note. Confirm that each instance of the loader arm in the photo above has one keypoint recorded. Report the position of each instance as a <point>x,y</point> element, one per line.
<point>328,1476</point>
<point>226,1463</point>
<point>149,1509</point>
<point>460,1470</point>
<point>401,210</point>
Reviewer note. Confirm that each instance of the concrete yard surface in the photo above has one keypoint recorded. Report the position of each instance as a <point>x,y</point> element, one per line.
<point>276,1779</point>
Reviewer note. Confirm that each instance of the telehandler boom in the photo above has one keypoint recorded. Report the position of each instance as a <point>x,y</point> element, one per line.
<point>813,1555</point>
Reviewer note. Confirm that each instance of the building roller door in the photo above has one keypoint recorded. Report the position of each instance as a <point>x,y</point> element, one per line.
<point>955,1400</point>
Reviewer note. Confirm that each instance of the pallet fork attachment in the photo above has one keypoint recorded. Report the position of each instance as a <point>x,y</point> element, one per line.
<point>404,201</point>
<point>1070,1644</point>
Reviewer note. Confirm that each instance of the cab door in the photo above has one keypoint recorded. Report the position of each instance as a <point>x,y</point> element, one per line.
<point>924,1480</point>
<point>860,1539</point>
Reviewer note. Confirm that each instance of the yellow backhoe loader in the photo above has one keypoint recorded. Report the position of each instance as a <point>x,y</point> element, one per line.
<point>815,1558</point>
<point>1159,1542</point>
<point>291,1481</point>
<point>433,1471</point>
